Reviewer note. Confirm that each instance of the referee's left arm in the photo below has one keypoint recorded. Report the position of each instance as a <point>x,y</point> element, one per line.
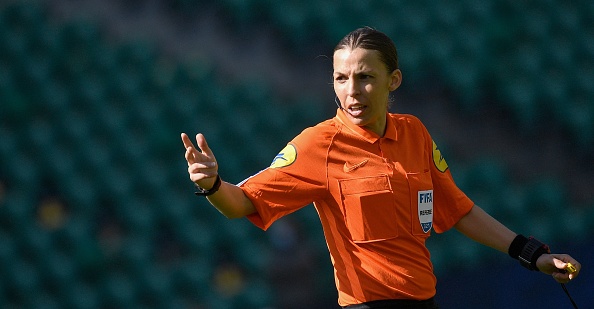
<point>481,227</point>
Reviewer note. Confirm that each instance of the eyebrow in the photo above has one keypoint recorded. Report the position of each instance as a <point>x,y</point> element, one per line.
<point>364,71</point>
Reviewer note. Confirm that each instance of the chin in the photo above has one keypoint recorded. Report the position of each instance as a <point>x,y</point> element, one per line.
<point>357,121</point>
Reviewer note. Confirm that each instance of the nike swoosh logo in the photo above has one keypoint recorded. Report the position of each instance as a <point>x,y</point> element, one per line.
<point>348,169</point>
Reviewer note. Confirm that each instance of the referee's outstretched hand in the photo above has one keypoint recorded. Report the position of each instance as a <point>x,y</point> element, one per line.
<point>202,165</point>
<point>556,265</point>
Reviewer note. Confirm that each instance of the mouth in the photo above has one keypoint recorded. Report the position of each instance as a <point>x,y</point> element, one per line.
<point>356,110</point>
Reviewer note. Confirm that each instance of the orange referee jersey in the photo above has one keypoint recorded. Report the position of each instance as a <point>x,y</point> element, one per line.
<point>377,198</point>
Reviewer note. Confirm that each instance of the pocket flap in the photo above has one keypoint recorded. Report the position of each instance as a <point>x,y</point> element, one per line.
<point>364,184</point>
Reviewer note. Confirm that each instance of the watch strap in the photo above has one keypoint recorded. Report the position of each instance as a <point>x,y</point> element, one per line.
<point>211,191</point>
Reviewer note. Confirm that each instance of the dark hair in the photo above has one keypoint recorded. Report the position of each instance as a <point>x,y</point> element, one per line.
<point>369,38</point>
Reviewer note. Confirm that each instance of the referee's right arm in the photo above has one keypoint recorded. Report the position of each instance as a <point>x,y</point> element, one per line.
<point>227,198</point>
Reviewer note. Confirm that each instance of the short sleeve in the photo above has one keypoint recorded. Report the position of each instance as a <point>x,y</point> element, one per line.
<point>295,178</point>
<point>450,203</point>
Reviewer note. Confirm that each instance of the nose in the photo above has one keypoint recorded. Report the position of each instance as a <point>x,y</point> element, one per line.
<point>352,87</point>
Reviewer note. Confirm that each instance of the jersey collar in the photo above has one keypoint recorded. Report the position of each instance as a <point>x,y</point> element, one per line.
<point>365,133</point>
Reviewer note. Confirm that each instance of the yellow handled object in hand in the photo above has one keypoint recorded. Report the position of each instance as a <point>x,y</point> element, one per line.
<point>570,268</point>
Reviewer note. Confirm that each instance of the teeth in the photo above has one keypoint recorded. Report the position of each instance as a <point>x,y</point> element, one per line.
<point>356,108</point>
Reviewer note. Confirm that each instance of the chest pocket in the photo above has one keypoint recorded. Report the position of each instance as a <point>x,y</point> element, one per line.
<point>369,208</point>
<point>421,202</point>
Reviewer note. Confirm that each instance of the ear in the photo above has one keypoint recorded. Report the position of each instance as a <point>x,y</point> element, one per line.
<point>395,80</point>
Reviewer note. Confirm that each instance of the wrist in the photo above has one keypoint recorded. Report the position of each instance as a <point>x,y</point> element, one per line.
<point>206,192</point>
<point>527,251</point>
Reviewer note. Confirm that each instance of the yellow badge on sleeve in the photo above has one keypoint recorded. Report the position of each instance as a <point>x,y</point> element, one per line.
<point>440,162</point>
<point>285,158</point>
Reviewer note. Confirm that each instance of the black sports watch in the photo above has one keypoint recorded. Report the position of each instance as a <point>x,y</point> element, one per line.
<point>211,191</point>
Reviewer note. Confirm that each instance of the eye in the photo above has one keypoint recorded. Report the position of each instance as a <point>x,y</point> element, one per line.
<point>340,78</point>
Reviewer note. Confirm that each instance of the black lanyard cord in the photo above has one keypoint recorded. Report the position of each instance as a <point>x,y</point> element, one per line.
<point>567,292</point>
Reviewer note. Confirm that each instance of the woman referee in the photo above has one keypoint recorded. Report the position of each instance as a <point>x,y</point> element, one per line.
<point>379,184</point>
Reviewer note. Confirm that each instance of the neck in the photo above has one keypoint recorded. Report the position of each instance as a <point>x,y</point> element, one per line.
<point>378,127</point>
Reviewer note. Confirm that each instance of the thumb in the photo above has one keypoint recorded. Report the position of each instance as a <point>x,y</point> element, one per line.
<point>558,268</point>
<point>559,264</point>
<point>203,145</point>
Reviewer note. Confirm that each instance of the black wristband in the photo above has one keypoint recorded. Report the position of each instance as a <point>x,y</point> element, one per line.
<point>530,251</point>
<point>516,246</point>
<point>211,191</point>
<point>527,251</point>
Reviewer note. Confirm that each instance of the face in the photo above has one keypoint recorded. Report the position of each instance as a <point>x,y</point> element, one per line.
<point>362,84</point>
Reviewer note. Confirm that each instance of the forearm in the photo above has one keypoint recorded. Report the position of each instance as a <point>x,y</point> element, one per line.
<point>231,201</point>
<point>481,227</point>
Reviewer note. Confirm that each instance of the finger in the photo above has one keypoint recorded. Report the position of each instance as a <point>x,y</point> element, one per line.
<point>559,264</point>
<point>202,167</point>
<point>203,145</point>
<point>561,278</point>
<point>563,261</point>
<point>576,269</point>
<point>186,140</point>
<point>202,170</point>
<point>564,273</point>
<point>194,156</point>
<point>190,150</point>
<point>191,155</point>
<point>577,266</point>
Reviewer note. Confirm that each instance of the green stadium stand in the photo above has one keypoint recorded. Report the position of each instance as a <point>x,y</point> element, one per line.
<point>155,288</point>
<point>258,294</point>
<point>192,279</point>
<point>82,296</point>
<point>546,197</point>
<point>24,282</point>
<point>58,273</point>
<point>118,291</point>
<point>8,254</point>
<point>197,236</point>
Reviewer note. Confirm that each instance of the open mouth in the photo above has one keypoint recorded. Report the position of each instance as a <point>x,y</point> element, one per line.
<point>356,110</point>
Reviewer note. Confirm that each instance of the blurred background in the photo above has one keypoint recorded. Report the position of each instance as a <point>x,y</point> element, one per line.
<point>96,208</point>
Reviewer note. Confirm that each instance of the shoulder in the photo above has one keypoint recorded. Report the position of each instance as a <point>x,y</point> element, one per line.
<point>318,135</point>
<point>305,155</point>
<point>405,118</point>
<point>402,121</point>
<point>309,146</point>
